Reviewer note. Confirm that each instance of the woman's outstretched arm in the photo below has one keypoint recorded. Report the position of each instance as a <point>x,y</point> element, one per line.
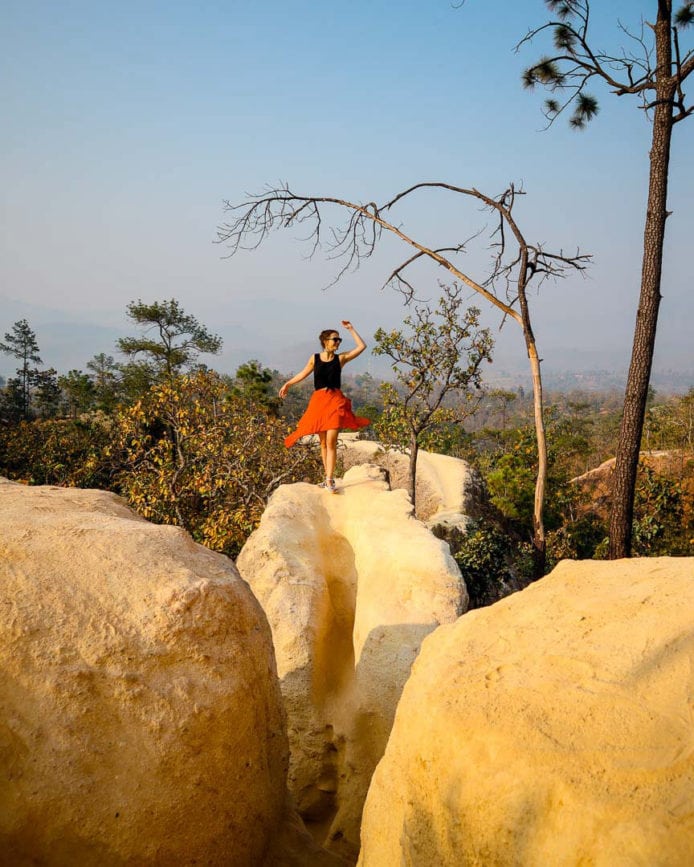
<point>298,378</point>
<point>358,349</point>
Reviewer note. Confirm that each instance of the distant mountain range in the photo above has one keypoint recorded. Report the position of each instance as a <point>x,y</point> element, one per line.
<point>67,344</point>
<point>667,381</point>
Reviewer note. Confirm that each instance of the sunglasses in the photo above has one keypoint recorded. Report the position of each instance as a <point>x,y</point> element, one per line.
<point>335,339</point>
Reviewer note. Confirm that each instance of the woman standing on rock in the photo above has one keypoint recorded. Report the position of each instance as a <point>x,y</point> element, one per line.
<point>329,411</point>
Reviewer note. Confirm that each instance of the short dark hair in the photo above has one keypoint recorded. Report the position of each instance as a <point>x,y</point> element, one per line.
<point>325,334</point>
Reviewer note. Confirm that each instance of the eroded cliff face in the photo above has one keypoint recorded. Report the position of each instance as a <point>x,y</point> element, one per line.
<point>351,584</point>
<point>141,720</point>
<point>140,715</point>
<point>449,491</point>
<point>554,727</point>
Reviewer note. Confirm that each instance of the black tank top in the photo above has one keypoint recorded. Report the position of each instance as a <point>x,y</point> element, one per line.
<point>326,374</point>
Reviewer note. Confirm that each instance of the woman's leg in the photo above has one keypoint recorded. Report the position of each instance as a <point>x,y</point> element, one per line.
<point>330,452</point>
<point>324,451</point>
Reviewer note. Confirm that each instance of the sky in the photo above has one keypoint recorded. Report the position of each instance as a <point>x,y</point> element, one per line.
<point>127,125</point>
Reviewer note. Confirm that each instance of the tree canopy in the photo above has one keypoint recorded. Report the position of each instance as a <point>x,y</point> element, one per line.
<point>436,357</point>
<point>171,341</point>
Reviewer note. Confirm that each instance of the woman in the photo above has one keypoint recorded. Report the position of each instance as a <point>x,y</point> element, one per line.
<point>328,411</point>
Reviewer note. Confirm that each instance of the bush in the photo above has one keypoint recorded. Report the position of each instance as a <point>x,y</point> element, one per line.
<point>198,456</point>
<point>70,452</point>
<point>492,564</point>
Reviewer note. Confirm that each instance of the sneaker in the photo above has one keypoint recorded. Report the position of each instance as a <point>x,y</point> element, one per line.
<point>331,486</point>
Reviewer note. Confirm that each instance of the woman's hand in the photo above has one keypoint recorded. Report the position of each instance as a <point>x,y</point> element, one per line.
<point>348,325</point>
<point>283,391</point>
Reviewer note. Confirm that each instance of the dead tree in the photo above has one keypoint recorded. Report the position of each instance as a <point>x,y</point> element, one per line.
<point>514,264</point>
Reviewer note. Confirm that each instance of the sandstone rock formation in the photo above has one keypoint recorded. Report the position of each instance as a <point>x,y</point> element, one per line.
<point>140,715</point>
<point>554,727</point>
<point>449,490</point>
<point>351,583</point>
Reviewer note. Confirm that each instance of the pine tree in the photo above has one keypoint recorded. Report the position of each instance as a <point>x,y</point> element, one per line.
<point>21,343</point>
<point>172,339</point>
<point>655,74</point>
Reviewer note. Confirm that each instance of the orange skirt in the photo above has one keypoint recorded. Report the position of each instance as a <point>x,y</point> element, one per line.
<point>328,409</point>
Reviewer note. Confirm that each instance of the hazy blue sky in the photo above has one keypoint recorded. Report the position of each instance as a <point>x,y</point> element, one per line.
<point>126,125</point>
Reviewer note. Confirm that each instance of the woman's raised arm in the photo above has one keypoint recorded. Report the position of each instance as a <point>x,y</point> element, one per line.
<point>358,349</point>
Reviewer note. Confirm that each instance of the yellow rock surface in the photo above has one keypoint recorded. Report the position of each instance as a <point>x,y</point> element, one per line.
<point>140,713</point>
<point>554,728</point>
<point>351,583</point>
<point>448,489</point>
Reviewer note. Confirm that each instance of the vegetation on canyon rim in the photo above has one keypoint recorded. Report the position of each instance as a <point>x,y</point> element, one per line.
<point>192,447</point>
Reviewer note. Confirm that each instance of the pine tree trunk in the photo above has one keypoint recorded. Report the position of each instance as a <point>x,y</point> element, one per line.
<point>629,444</point>
<point>24,378</point>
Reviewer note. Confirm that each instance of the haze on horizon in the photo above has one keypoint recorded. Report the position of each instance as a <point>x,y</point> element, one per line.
<point>127,125</point>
